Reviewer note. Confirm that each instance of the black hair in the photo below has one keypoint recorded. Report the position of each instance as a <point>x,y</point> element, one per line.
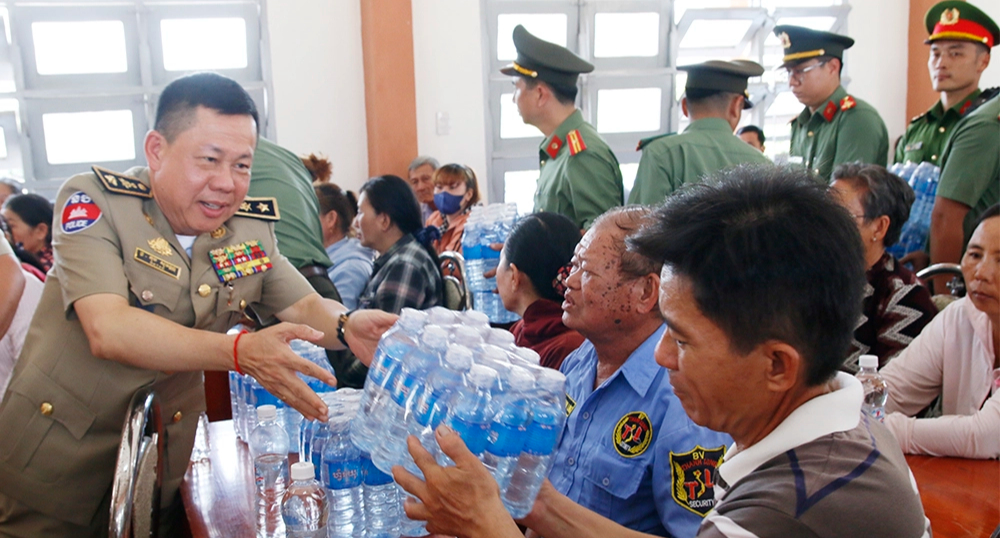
<point>884,193</point>
<point>564,94</point>
<point>33,209</point>
<point>540,245</point>
<point>22,255</point>
<point>391,195</point>
<point>770,257</point>
<point>332,198</point>
<point>752,129</point>
<point>992,211</point>
<point>181,98</point>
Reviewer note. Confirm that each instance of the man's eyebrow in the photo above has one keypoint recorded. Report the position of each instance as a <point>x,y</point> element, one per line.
<point>674,327</point>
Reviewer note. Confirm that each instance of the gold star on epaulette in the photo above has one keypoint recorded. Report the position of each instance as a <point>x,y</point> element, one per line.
<point>121,184</point>
<point>259,208</point>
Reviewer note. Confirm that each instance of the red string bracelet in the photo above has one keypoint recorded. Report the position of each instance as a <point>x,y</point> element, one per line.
<point>236,357</point>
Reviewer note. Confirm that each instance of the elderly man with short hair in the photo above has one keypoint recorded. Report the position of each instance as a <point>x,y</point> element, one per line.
<point>420,176</point>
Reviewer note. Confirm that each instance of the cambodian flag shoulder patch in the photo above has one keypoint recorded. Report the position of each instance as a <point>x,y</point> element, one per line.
<point>79,213</point>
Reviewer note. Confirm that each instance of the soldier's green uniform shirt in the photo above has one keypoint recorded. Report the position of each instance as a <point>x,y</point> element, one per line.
<point>61,417</point>
<point>671,161</point>
<point>580,184</point>
<point>971,163</point>
<point>279,173</point>
<point>843,130</point>
<point>927,133</point>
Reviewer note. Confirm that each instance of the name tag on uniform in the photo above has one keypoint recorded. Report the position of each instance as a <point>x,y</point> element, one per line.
<point>237,261</point>
<point>914,146</point>
<point>155,262</point>
<point>795,159</point>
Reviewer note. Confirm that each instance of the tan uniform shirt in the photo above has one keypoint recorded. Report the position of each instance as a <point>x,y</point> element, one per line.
<point>61,418</point>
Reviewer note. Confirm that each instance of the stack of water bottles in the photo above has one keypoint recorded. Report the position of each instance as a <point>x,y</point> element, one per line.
<point>487,225</point>
<point>923,178</point>
<point>444,367</point>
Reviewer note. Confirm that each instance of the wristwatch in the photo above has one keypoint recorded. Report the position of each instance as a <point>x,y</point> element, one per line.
<point>342,325</point>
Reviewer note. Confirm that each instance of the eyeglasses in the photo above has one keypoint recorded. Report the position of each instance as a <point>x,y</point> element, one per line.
<point>792,73</point>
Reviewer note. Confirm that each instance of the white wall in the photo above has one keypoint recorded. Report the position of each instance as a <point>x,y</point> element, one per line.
<point>318,78</point>
<point>877,62</point>
<point>448,64</point>
<point>991,77</point>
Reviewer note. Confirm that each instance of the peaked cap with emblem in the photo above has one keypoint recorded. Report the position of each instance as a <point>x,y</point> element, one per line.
<point>722,76</point>
<point>802,43</point>
<point>961,21</point>
<point>541,60</point>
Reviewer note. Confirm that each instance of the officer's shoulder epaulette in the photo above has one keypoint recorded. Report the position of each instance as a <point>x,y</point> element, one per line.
<point>121,184</point>
<point>645,141</point>
<point>575,142</point>
<point>985,95</point>
<point>848,103</point>
<point>262,208</point>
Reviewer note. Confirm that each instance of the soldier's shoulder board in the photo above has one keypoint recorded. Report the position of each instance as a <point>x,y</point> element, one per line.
<point>575,142</point>
<point>121,184</point>
<point>645,141</point>
<point>262,208</point>
<point>848,103</point>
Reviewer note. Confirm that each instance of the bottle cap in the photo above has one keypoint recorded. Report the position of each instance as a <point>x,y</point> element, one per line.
<point>458,358</point>
<point>520,379</point>
<point>266,412</point>
<point>502,338</point>
<point>440,316</point>
<point>475,317</point>
<point>489,353</point>
<point>552,380</point>
<point>303,470</point>
<point>868,361</point>
<point>412,319</point>
<point>528,355</point>
<point>434,337</point>
<point>466,336</point>
<point>482,376</point>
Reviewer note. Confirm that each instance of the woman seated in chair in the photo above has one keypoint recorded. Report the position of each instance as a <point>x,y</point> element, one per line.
<point>956,358</point>
<point>528,279</point>
<point>455,192</point>
<point>29,217</point>
<point>406,272</point>
<point>896,305</point>
<point>352,263</point>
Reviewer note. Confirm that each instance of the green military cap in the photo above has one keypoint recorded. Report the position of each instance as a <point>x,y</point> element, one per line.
<point>722,76</point>
<point>960,21</point>
<point>538,59</point>
<point>801,43</point>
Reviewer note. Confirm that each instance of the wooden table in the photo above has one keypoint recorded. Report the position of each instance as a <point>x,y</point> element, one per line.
<point>961,497</point>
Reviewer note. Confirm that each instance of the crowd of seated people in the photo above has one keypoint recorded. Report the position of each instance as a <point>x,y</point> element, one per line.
<point>352,263</point>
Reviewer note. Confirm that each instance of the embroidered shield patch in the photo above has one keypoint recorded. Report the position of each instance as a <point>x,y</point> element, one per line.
<point>693,476</point>
<point>633,434</point>
<point>570,405</point>
<point>79,213</point>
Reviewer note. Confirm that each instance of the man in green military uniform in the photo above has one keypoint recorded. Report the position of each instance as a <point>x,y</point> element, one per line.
<point>150,268</point>
<point>835,127</point>
<point>960,36</point>
<point>714,98</point>
<point>579,174</point>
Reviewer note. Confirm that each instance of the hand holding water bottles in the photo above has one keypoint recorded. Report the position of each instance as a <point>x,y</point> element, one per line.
<point>363,330</point>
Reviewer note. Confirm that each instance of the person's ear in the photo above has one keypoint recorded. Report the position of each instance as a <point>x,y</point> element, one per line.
<point>43,230</point>
<point>516,277</point>
<point>785,365</point>
<point>881,227</point>
<point>329,220</point>
<point>684,107</point>
<point>646,293</point>
<point>154,146</point>
<point>383,221</point>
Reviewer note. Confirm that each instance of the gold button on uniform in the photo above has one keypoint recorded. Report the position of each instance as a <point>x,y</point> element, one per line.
<point>933,157</point>
<point>940,129</point>
<point>147,295</point>
<point>243,304</point>
<point>204,290</point>
<point>178,416</point>
<point>46,408</point>
<point>810,133</point>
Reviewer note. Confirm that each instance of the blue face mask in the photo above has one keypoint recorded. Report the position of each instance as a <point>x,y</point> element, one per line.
<point>447,203</point>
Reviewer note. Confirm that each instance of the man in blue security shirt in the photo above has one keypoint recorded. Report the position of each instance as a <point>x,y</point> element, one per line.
<point>629,452</point>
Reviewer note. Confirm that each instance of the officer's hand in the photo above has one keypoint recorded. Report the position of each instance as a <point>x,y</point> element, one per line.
<point>266,356</point>
<point>364,329</point>
<point>461,500</point>
<point>493,272</point>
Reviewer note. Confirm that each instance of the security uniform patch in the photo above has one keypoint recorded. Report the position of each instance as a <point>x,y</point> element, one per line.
<point>632,434</point>
<point>79,213</point>
<point>570,405</point>
<point>693,476</point>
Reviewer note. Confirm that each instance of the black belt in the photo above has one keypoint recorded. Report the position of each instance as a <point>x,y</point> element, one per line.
<point>313,270</point>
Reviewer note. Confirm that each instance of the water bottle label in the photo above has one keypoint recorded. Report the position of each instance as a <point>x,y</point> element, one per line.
<point>263,397</point>
<point>877,413</point>
<point>489,253</point>
<point>425,406</point>
<point>401,389</point>
<point>381,366</point>
<point>542,439</point>
<point>471,252</point>
<point>506,440</point>
<point>343,474</point>
<point>475,435</point>
<point>375,477</point>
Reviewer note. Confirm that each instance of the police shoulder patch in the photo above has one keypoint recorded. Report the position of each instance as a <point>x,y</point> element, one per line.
<point>632,434</point>
<point>693,475</point>
<point>79,213</point>
<point>121,184</point>
<point>259,208</point>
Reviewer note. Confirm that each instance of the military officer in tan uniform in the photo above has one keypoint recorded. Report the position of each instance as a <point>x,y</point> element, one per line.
<point>151,267</point>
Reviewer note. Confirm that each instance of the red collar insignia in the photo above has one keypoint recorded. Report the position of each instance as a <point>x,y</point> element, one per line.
<point>847,103</point>
<point>961,111</point>
<point>829,111</point>
<point>553,148</point>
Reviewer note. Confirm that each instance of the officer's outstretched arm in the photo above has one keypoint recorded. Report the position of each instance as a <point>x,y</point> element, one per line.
<point>363,329</point>
<point>133,336</point>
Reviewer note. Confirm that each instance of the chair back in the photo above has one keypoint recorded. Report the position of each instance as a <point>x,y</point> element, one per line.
<point>956,286</point>
<point>135,494</point>
<point>456,292</point>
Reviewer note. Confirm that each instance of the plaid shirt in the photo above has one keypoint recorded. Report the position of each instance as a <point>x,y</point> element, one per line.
<point>404,277</point>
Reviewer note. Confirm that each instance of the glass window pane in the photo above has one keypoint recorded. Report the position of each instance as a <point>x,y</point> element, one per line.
<point>705,33</point>
<point>628,110</point>
<point>816,23</point>
<point>511,124</point>
<point>628,176</point>
<point>217,43</point>
<point>87,137</point>
<point>618,35</point>
<point>785,104</point>
<point>519,187</point>
<point>3,143</point>
<point>74,48</point>
<point>680,6</point>
<point>799,3</point>
<point>548,26</point>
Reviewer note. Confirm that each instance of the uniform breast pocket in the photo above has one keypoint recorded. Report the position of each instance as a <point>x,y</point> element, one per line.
<point>615,482</point>
<point>238,295</point>
<point>153,287</point>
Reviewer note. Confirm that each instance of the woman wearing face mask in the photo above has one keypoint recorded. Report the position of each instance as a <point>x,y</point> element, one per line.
<point>455,192</point>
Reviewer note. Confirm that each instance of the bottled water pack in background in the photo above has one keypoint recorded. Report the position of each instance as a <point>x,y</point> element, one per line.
<point>486,225</point>
<point>923,178</point>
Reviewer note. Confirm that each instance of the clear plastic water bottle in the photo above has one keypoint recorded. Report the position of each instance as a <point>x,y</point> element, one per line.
<point>876,389</point>
<point>407,526</point>
<point>501,338</point>
<point>430,403</point>
<point>303,507</point>
<point>395,344</point>
<point>342,476</point>
<point>509,429</point>
<point>469,415</point>
<point>381,500</point>
<point>548,417</point>
<point>269,450</point>
<point>466,336</point>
